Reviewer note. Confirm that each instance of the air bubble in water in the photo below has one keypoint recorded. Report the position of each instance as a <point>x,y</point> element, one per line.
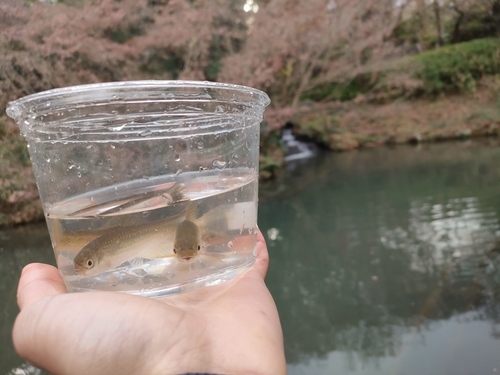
<point>47,160</point>
<point>199,145</point>
<point>116,128</point>
<point>177,157</point>
<point>230,244</point>
<point>219,164</point>
<point>140,272</point>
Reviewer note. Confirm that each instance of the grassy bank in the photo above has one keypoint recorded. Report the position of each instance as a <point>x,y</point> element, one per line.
<point>350,125</point>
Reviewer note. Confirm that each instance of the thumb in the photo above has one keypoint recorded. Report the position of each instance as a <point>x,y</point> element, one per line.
<point>38,281</point>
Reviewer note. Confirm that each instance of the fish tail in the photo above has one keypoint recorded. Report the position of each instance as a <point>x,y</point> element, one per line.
<point>177,192</point>
<point>192,211</point>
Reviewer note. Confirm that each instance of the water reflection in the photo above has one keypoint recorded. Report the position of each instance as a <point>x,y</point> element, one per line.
<point>370,249</point>
<point>25,369</point>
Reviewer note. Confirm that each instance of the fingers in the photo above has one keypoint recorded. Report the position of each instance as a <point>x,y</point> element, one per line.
<point>262,262</point>
<point>38,281</point>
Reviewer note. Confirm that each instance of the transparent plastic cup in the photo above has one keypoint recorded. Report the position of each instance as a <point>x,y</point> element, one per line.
<point>148,187</point>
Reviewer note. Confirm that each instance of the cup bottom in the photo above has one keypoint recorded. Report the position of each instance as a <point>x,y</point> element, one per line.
<point>150,285</point>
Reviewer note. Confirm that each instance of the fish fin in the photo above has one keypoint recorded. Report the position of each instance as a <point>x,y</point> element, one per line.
<point>176,192</point>
<point>155,252</point>
<point>192,211</point>
<point>137,262</point>
<point>210,261</point>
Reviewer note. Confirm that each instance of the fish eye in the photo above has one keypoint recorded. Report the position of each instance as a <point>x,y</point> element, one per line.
<point>175,251</point>
<point>198,247</point>
<point>90,263</point>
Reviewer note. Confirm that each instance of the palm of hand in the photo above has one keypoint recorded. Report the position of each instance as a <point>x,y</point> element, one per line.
<point>232,328</point>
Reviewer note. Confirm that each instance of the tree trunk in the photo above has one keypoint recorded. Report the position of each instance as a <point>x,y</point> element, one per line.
<point>437,13</point>
<point>422,9</point>
<point>456,28</point>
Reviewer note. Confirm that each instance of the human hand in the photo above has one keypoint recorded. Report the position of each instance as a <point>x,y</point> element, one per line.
<point>231,328</point>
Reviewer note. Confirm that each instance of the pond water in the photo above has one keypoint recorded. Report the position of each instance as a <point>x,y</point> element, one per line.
<point>383,261</point>
<point>387,261</point>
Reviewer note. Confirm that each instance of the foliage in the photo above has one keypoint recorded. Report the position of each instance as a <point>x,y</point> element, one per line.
<point>448,70</point>
<point>292,49</point>
<point>433,23</point>
<point>343,91</point>
<point>15,150</point>
<point>297,47</point>
<point>272,154</point>
<point>480,20</point>
<point>456,68</point>
<point>85,41</point>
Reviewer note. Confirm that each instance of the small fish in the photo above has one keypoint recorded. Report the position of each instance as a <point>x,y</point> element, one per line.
<point>72,241</point>
<point>122,244</point>
<point>149,241</point>
<point>187,236</point>
<point>134,203</point>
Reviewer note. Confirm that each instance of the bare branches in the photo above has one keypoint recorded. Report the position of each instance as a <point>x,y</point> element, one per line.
<point>286,48</point>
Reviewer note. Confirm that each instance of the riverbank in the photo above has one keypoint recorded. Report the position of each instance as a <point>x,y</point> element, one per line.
<point>364,123</point>
<point>360,123</point>
<point>338,126</point>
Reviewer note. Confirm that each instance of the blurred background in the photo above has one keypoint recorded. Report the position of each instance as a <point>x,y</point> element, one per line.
<point>385,257</point>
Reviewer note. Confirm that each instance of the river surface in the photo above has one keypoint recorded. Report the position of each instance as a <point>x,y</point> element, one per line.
<point>383,261</point>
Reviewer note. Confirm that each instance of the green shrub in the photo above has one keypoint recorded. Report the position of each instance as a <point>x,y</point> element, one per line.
<point>157,62</point>
<point>457,68</point>
<point>342,91</point>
